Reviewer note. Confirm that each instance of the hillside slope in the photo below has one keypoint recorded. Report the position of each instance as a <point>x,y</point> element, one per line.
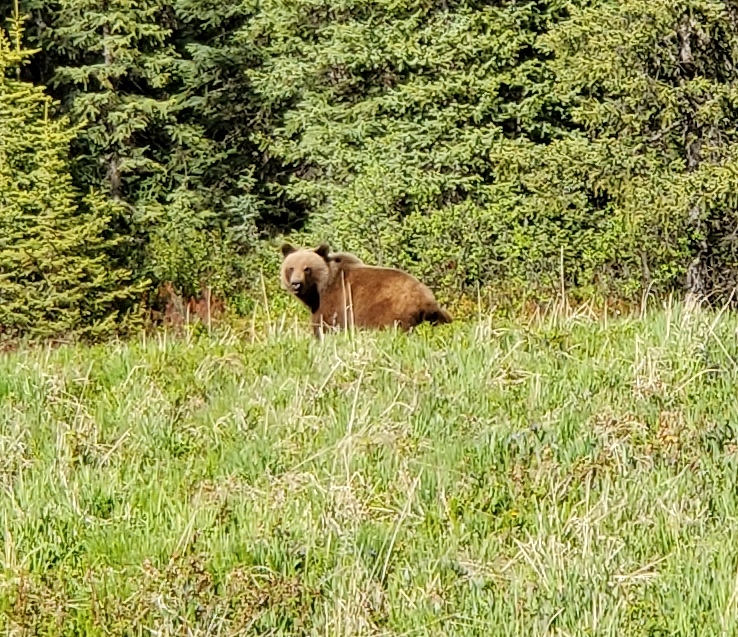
<point>572,477</point>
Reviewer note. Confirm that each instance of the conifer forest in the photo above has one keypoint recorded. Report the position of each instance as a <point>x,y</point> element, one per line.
<point>504,148</point>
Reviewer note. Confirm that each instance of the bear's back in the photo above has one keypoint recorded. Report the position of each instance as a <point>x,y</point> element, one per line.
<point>371,296</point>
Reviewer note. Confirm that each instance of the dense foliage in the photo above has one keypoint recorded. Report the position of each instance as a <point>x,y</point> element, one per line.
<point>501,145</point>
<point>55,271</point>
<point>483,143</point>
<point>654,87</point>
<point>402,112</point>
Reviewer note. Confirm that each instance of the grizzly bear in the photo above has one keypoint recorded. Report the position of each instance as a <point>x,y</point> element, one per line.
<point>341,291</point>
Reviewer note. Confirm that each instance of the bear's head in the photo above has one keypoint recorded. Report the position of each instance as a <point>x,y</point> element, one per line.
<point>306,273</point>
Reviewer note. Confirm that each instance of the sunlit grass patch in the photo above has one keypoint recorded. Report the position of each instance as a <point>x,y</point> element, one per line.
<point>569,476</point>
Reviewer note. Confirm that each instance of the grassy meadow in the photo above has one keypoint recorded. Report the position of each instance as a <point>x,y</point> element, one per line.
<point>575,475</point>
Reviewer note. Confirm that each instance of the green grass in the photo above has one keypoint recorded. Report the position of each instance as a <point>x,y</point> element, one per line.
<point>569,477</point>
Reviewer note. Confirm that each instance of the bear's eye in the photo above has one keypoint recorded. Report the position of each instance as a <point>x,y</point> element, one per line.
<point>289,272</point>
<point>307,270</point>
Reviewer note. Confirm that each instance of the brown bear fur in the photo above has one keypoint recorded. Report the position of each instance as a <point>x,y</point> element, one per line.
<point>342,291</point>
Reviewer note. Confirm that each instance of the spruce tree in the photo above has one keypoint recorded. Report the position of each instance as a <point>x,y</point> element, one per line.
<point>391,113</point>
<point>55,275</point>
<point>653,87</point>
<point>243,177</point>
<point>168,118</point>
<point>118,63</point>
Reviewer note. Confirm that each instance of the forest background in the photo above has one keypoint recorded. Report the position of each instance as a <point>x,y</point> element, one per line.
<point>503,148</point>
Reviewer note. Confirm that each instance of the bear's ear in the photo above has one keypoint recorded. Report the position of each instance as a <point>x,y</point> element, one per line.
<point>322,250</point>
<point>287,249</point>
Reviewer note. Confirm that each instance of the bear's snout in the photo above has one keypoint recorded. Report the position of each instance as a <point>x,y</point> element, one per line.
<point>296,286</point>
